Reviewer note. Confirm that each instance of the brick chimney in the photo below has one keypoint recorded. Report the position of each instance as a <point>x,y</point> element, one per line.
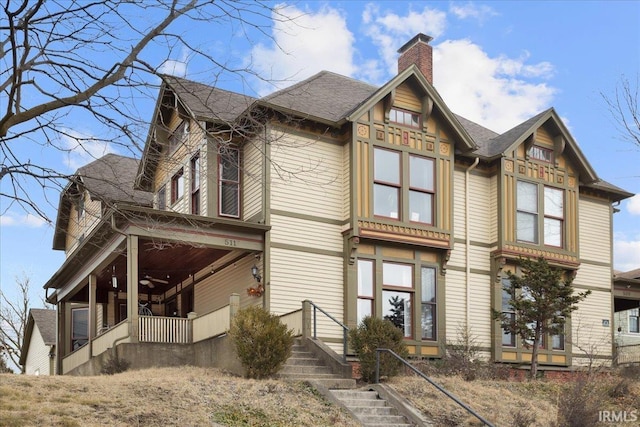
<point>417,51</point>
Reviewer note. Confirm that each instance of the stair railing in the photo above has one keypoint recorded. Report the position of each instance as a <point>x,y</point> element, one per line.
<point>345,328</point>
<point>440,388</point>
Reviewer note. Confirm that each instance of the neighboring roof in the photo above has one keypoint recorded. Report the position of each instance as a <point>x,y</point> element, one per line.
<point>206,102</point>
<point>110,179</point>
<point>326,96</point>
<point>633,274</point>
<point>46,322</point>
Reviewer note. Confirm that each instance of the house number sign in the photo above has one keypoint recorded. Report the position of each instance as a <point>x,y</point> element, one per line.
<point>230,242</point>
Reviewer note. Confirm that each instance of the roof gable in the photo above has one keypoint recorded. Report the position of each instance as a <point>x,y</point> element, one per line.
<point>413,72</point>
<point>46,322</point>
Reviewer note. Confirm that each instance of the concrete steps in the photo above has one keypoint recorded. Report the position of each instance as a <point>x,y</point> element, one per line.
<point>370,409</point>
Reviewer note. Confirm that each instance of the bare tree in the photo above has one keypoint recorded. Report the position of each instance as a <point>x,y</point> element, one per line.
<point>99,60</point>
<point>623,107</point>
<point>13,320</point>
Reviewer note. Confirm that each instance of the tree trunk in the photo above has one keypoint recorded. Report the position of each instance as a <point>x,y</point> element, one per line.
<point>534,355</point>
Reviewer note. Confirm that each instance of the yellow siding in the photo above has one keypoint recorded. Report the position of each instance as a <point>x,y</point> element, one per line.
<point>214,292</point>
<point>455,302</point>
<point>595,230</point>
<point>593,275</point>
<point>296,276</point>
<point>459,220</point>
<point>480,308</point>
<point>479,226</point>
<point>307,173</point>
<point>307,233</point>
<point>589,336</point>
<point>407,99</point>
<point>252,179</point>
<point>83,225</point>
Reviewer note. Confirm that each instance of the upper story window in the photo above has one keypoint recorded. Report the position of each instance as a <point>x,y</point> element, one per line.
<point>177,186</point>
<point>405,118</point>
<point>528,221</point>
<point>229,182</point>
<point>634,320</point>
<point>386,183</point>
<point>195,184</point>
<point>178,135</point>
<point>540,153</point>
<point>162,198</point>
<point>389,191</point>
<point>80,206</point>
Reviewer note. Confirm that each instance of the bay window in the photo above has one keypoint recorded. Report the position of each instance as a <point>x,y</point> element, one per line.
<point>428,309</point>
<point>508,338</point>
<point>177,186</point>
<point>397,295</point>
<point>421,189</point>
<point>195,185</point>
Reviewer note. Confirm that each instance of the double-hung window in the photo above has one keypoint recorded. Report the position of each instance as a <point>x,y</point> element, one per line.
<point>177,186</point>
<point>634,320</point>
<point>195,185</point>
<point>508,313</point>
<point>529,211</point>
<point>428,321</point>
<point>387,184</point>
<point>421,189</point>
<point>229,182</point>
<point>365,288</point>
<point>79,327</point>
<point>397,295</point>
<point>162,198</point>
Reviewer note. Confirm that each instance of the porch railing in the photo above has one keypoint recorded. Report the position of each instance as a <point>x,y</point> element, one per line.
<point>75,359</point>
<point>293,320</point>
<point>168,330</point>
<point>212,324</point>
<point>626,354</point>
<point>105,341</point>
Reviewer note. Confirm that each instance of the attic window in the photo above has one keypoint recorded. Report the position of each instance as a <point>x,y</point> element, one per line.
<point>405,118</point>
<point>539,153</point>
<point>178,135</point>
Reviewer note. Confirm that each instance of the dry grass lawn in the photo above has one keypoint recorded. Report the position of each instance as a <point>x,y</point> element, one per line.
<point>207,397</point>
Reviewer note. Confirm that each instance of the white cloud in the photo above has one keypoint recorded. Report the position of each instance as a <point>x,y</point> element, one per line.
<point>633,205</point>
<point>494,92</point>
<point>472,10</point>
<point>82,148</point>
<point>389,31</point>
<point>626,254</point>
<point>176,67</point>
<point>303,46</point>
<point>14,220</point>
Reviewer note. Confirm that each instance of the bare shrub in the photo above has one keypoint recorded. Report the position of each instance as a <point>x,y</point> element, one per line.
<point>578,406</point>
<point>114,365</point>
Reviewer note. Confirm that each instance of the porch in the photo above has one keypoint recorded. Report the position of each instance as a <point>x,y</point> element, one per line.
<point>168,331</point>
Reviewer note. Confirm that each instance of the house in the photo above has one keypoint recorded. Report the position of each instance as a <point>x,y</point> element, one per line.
<point>364,200</point>
<point>626,323</point>
<point>39,345</point>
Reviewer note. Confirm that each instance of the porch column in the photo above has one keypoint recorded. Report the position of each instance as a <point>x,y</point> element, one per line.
<point>92,312</point>
<point>132,287</point>
<point>61,344</point>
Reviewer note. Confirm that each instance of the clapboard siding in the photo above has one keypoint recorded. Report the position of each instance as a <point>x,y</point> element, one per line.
<point>252,179</point>
<point>455,302</point>
<point>459,205</point>
<point>81,227</point>
<point>480,308</point>
<point>307,174</point>
<point>302,232</point>
<point>480,203</point>
<point>37,361</point>
<point>493,209</point>
<point>297,276</point>
<point>407,99</point>
<point>588,333</point>
<point>593,276</point>
<point>214,292</point>
<point>595,230</point>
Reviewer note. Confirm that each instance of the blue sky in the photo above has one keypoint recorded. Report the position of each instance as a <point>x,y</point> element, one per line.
<point>496,63</point>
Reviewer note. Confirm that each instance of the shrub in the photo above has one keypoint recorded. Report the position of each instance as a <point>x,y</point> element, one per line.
<point>114,365</point>
<point>262,341</point>
<point>373,333</point>
<point>578,406</point>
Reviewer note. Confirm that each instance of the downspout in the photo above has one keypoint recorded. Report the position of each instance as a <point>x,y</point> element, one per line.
<point>467,174</point>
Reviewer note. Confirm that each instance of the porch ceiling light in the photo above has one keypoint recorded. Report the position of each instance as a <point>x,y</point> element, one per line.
<point>146,282</point>
<point>255,272</point>
<point>114,279</point>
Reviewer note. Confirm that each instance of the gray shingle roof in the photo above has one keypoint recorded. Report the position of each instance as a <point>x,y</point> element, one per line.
<point>326,96</point>
<point>46,322</point>
<point>207,102</point>
<point>111,178</point>
<point>633,274</point>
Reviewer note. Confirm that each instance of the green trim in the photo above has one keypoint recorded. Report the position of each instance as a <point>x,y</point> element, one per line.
<point>479,271</point>
<point>306,249</point>
<point>464,270</point>
<point>476,243</point>
<point>591,288</point>
<point>456,268</point>
<point>309,217</point>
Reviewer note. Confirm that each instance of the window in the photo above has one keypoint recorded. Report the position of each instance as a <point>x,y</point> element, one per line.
<point>508,338</point>
<point>80,206</point>
<point>527,216</point>
<point>386,183</point>
<point>405,118</point>
<point>428,308</point>
<point>229,182</point>
<point>195,184</point>
<point>421,189</point>
<point>396,302</point>
<point>179,135</point>
<point>365,289</point>
<point>177,186</point>
<point>79,327</point>
<point>634,318</point>
<point>557,341</point>
<point>539,153</point>
<point>162,198</point>
<point>553,216</point>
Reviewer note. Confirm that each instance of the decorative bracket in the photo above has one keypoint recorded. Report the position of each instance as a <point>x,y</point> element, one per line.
<point>444,261</point>
<point>352,248</point>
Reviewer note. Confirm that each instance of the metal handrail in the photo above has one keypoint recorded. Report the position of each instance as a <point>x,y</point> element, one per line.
<point>345,328</point>
<point>440,388</point>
